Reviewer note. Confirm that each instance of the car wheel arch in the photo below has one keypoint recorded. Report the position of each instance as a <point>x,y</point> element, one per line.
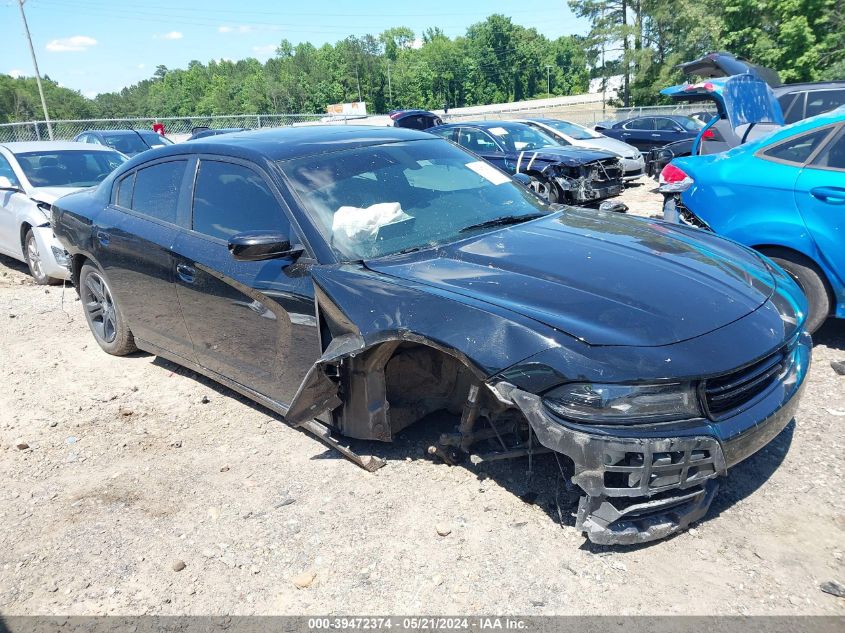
<point>776,250</point>
<point>24,229</point>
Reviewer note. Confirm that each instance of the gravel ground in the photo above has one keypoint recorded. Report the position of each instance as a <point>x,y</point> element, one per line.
<point>132,486</point>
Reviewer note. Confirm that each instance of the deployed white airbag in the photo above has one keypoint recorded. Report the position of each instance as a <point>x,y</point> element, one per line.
<point>357,224</point>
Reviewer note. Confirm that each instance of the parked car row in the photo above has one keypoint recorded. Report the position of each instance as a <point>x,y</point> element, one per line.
<point>32,176</point>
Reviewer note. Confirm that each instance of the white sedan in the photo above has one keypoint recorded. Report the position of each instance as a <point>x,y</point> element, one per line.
<point>568,133</point>
<point>32,176</point>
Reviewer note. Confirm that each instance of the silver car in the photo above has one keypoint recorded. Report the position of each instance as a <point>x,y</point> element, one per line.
<point>32,176</point>
<point>567,133</point>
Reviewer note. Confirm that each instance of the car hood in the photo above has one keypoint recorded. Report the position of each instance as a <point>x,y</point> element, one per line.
<point>610,145</point>
<point>51,194</point>
<point>569,156</point>
<point>599,277</point>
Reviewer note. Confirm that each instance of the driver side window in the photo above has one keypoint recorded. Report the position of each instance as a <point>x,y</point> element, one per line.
<point>230,198</point>
<point>6,170</point>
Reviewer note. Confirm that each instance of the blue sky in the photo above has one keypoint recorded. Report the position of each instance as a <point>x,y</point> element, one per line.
<point>103,45</point>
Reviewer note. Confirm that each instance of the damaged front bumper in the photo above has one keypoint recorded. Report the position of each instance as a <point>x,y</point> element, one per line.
<point>645,483</point>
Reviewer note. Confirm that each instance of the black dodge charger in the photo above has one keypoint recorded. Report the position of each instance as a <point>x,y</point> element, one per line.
<point>357,279</point>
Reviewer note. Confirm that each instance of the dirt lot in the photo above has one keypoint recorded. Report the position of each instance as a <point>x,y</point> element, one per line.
<point>135,467</point>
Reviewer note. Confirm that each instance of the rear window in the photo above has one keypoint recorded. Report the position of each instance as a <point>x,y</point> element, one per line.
<point>156,192</point>
<point>797,150</point>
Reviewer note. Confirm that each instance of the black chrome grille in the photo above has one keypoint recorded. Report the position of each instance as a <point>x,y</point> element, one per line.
<point>727,393</point>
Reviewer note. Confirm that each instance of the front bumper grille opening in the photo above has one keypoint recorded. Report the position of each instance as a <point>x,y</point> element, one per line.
<point>650,472</point>
<point>728,393</point>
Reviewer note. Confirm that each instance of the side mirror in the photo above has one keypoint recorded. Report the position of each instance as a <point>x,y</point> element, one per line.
<point>522,179</point>
<point>7,184</point>
<point>255,246</point>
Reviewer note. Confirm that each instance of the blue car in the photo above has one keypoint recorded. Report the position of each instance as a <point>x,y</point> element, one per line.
<point>783,195</point>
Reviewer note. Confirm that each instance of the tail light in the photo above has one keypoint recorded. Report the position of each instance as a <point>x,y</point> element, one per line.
<point>708,135</point>
<point>673,179</point>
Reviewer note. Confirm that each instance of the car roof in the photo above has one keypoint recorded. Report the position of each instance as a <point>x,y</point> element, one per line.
<point>120,132</point>
<point>23,147</point>
<point>293,142</point>
<point>808,85</point>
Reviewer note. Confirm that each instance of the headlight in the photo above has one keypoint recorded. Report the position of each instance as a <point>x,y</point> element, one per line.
<point>623,404</point>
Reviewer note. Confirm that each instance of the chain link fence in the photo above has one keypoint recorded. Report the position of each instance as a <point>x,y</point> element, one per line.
<point>587,117</point>
<point>179,128</point>
<point>176,128</point>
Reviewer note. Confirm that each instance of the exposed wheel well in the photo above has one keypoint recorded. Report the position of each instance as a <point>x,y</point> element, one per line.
<point>396,383</point>
<point>25,227</point>
<point>76,264</point>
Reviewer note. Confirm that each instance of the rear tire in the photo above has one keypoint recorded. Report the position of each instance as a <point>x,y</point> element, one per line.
<point>811,281</point>
<point>104,317</point>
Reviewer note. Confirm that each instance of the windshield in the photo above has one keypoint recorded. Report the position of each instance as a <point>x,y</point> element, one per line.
<point>68,168</point>
<point>383,199</point>
<point>132,143</point>
<point>517,138</point>
<point>154,139</point>
<point>571,130</point>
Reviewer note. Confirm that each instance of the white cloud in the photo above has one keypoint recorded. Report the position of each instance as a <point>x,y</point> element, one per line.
<point>264,51</point>
<point>237,28</point>
<point>71,44</point>
<point>15,73</point>
<point>173,35</point>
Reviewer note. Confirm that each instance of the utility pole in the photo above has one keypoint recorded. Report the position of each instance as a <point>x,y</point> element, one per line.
<point>358,81</point>
<point>603,70</point>
<point>389,88</point>
<point>548,80</point>
<point>37,72</point>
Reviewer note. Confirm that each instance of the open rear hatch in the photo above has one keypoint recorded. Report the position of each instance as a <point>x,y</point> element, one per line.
<point>721,64</point>
<point>746,105</point>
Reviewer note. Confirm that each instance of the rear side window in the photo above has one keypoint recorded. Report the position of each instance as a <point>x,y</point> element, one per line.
<point>833,156</point>
<point>821,101</point>
<point>123,192</point>
<point>798,149</point>
<point>640,124</point>
<point>230,199</point>
<point>156,191</point>
<point>666,125</point>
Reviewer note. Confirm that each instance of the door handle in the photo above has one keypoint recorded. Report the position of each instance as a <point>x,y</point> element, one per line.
<point>656,135</point>
<point>186,273</point>
<point>103,238</point>
<point>831,195</point>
